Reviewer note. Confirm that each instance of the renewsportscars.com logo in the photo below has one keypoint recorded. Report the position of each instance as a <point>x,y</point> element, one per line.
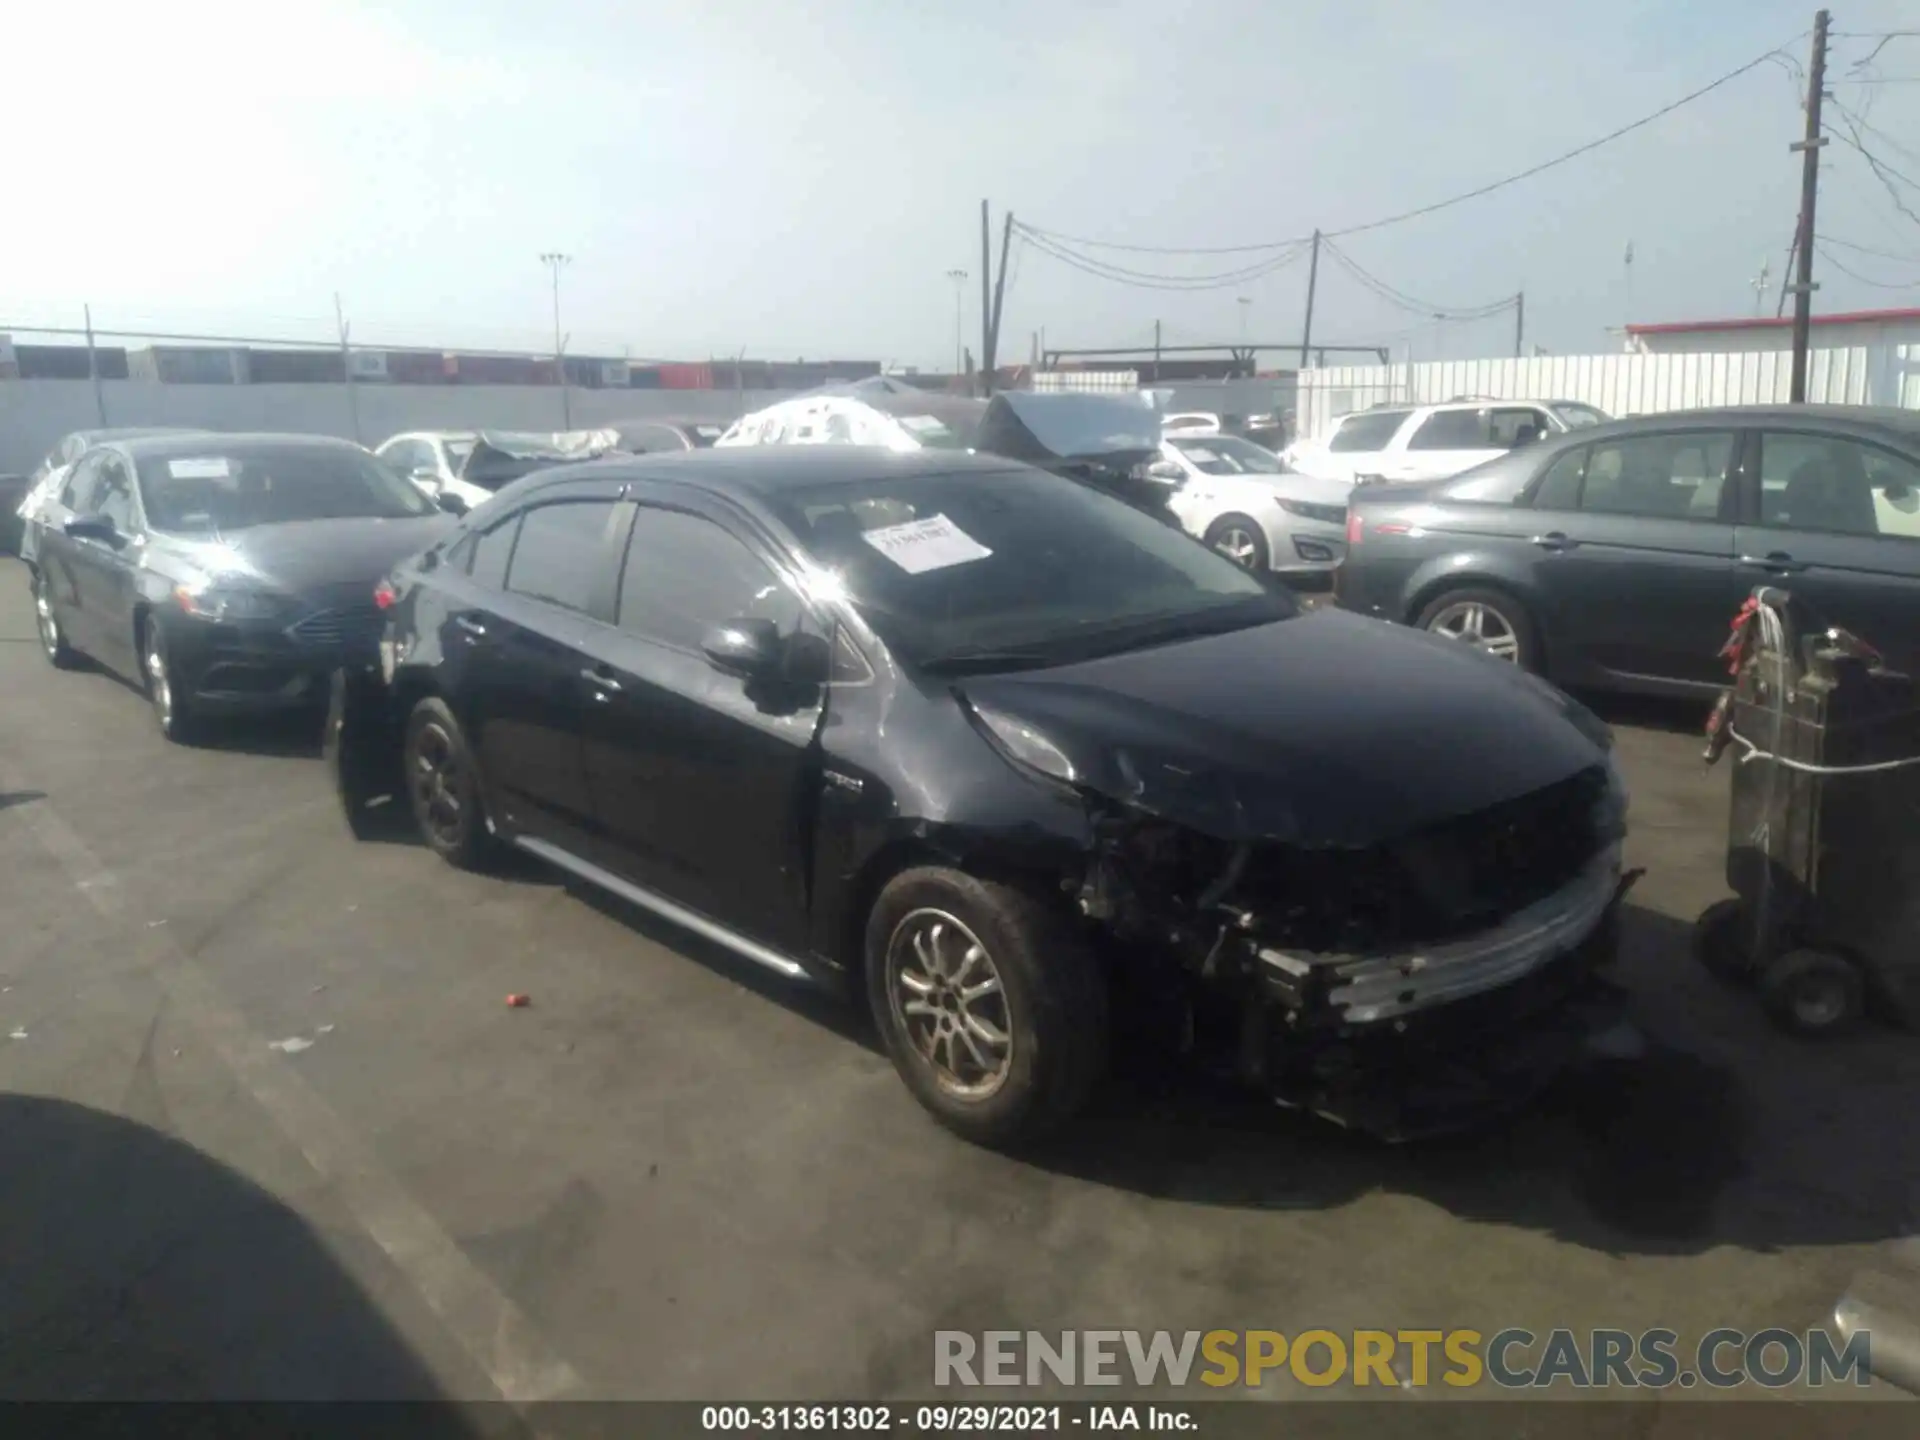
<point>1401,1359</point>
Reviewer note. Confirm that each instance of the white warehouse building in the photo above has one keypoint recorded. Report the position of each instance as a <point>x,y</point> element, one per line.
<point>1880,331</point>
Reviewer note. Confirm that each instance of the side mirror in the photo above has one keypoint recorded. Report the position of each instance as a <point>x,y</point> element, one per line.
<point>1166,471</point>
<point>1896,491</point>
<point>92,527</point>
<point>749,648</point>
<point>451,503</point>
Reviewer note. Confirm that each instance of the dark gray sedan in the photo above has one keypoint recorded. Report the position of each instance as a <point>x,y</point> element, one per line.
<point>1615,557</point>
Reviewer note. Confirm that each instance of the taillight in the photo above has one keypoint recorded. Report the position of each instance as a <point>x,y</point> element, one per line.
<point>1355,528</point>
<point>384,594</point>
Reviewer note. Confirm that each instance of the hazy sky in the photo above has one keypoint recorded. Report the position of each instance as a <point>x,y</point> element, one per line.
<point>795,180</point>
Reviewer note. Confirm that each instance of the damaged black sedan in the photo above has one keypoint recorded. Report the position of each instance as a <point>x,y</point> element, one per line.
<point>1020,764</point>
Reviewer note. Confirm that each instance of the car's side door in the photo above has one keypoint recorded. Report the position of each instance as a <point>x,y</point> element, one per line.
<point>1637,541</point>
<point>703,777</point>
<point>1836,519</point>
<point>60,556</point>
<point>106,569</point>
<point>511,638</point>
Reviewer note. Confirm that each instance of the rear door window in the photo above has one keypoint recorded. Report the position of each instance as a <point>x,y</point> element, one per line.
<point>1452,430</point>
<point>1371,431</point>
<point>559,553</point>
<point>492,550</point>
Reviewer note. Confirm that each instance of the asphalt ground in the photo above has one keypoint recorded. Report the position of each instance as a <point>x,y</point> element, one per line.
<point>671,1175</point>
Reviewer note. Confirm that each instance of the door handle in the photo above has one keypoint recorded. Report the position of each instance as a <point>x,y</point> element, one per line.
<point>1776,560</point>
<point>600,677</point>
<point>469,624</point>
<point>1554,540</point>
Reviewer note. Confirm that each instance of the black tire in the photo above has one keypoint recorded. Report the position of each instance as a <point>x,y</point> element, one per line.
<point>172,712</point>
<point>1052,1004</point>
<point>53,640</point>
<point>361,748</point>
<point>451,813</point>
<point>1247,540</point>
<point>1813,993</point>
<point>1720,942</point>
<point>1494,606</point>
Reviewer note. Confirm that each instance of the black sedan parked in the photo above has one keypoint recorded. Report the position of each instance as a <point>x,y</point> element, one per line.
<point>1011,756</point>
<point>1614,557</point>
<point>224,573</point>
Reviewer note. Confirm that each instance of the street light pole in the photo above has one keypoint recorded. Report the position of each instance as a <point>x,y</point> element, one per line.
<point>1246,304</point>
<point>959,279</point>
<point>556,262</point>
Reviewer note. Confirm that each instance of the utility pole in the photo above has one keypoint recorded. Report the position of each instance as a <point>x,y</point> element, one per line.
<point>959,279</point>
<point>1245,302</point>
<point>346,367</point>
<point>986,285</point>
<point>1156,352</point>
<point>93,370</point>
<point>556,262</point>
<point>1313,279</point>
<point>1809,149</point>
<point>1520,325</point>
<point>999,299</point>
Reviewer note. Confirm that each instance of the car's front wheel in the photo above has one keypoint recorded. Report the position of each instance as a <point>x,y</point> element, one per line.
<point>1240,540</point>
<point>1489,621</point>
<point>172,710</point>
<point>443,786</point>
<point>53,640</point>
<point>994,1011</point>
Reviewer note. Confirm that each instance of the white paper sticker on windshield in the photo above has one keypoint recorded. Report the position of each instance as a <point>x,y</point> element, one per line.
<point>922,424</point>
<point>1200,455</point>
<point>211,467</point>
<point>922,545</point>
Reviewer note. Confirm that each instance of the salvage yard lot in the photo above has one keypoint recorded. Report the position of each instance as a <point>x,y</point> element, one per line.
<point>672,1176</point>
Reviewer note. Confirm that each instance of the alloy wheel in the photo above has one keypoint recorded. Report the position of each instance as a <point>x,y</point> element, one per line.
<point>433,775</point>
<point>159,685</point>
<point>44,618</point>
<point>948,1000</point>
<point>1238,546</point>
<point>1475,623</point>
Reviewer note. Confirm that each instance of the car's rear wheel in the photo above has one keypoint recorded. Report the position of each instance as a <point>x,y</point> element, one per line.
<point>172,711</point>
<point>1813,993</point>
<point>993,1010</point>
<point>1487,619</point>
<point>443,786</point>
<point>1240,540</point>
<point>53,641</point>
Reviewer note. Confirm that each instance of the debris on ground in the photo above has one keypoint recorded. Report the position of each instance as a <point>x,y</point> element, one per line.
<point>324,1030</point>
<point>519,1002</point>
<point>292,1045</point>
<point>18,1034</point>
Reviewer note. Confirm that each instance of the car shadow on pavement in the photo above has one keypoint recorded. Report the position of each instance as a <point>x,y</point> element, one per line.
<point>1651,712</point>
<point>141,1269</point>
<point>10,798</point>
<point>1722,1132</point>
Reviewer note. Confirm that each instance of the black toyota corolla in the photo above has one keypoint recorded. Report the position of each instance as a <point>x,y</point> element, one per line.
<point>1029,769</point>
<point>224,573</point>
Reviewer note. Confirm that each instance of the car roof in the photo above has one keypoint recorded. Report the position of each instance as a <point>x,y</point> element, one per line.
<point>760,470</point>
<point>162,446</point>
<point>1884,418</point>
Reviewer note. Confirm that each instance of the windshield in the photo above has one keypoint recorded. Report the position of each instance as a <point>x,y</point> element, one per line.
<point>222,488</point>
<point>704,435</point>
<point>1225,455</point>
<point>931,433</point>
<point>1017,567</point>
<point>1577,416</point>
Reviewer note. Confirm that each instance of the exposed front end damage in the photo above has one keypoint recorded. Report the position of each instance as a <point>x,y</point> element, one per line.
<point>1402,988</point>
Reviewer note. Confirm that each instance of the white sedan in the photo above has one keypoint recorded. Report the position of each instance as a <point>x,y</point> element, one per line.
<point>1237,497</point>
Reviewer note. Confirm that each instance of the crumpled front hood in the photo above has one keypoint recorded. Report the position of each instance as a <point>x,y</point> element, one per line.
<point>309,554</point>
<point>1327,730</point>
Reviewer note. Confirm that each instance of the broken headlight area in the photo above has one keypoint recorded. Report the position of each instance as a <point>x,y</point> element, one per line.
<point>1434,972</point>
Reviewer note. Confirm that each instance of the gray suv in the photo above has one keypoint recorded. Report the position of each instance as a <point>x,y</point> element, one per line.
<point>1615,557</point>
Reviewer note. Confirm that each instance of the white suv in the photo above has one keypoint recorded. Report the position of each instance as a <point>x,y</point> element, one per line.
<point>1431,442</point>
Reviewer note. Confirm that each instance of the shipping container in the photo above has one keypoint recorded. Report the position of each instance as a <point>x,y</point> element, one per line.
<point>188,365</point>
<point>295,367</point>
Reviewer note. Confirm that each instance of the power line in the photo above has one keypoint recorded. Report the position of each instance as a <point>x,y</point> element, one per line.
<point>1886,174</point>
<point>1411,304</point>
<point>1460,199</point>
<point>1869,250</point>
<point>1161,249</point>
<point>1827,256</point>
<point>1146,280</point>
